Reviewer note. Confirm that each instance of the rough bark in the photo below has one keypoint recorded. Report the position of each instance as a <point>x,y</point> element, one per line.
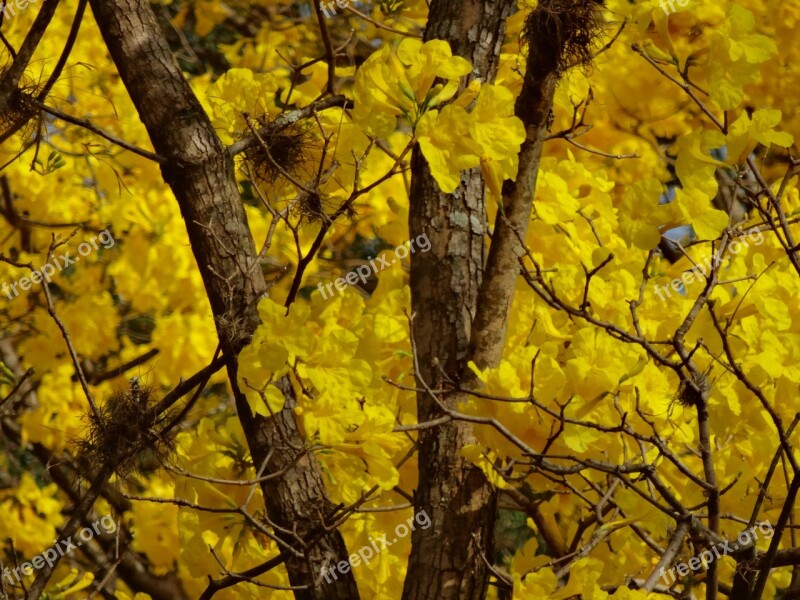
<point>461,308</point>
<point>201,176</point>
<point>447,559</point>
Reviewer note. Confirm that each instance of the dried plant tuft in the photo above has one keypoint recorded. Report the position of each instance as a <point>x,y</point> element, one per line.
<point>284,151</point>
<point>564,33</point>
<point>694,391</point>
<point>125,434</point>
<point>21,112</point>
<point>311,206</point>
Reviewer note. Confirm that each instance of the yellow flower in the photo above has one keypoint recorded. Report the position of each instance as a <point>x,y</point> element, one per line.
<point>455,140</point>
<point>399,81</point>
<point>446,144</point>
<point>746,133</point>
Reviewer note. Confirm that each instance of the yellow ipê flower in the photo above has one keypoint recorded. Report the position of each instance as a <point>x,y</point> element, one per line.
<point>399,81</point>
<point>477,129</point>
<point>489,136</point>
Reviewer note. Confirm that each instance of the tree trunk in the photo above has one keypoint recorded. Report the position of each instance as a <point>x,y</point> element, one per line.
<point>447,559</point>
<point>202,178</point>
